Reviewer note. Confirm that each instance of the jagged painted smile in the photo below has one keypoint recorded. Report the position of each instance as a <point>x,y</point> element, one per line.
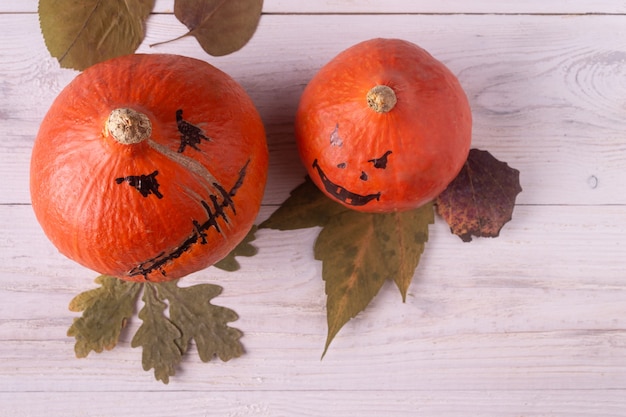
<point>342,194</point>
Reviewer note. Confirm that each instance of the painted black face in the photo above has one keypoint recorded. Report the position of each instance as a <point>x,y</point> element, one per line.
<point>219,208</point>
<point>145,184</point>
<point>342,194</point>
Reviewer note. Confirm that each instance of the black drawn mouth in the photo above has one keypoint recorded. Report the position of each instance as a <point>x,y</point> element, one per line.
<point>216,210</point>
<point>342,194</point>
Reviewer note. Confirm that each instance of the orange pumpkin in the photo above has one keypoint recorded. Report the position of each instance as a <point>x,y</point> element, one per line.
<point>149,167</point>
<point>383,126</point>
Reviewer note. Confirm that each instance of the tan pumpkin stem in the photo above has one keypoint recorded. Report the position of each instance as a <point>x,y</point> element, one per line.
<point>381,99</point>
<point>128,126</point>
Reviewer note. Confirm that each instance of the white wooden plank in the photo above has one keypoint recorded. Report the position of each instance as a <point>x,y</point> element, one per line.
<point>393,6</point>
<point>443,6</point>
<point>546,92</point>
<point>541,307</point>
<point>376,403</point>
<point>531,323</point>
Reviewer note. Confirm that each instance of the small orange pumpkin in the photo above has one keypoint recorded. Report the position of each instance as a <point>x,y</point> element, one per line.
<point>383,126</point>
<point>149,167</point>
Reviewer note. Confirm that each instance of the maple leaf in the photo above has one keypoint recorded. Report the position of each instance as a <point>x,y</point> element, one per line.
<point>244,248</point>
<point>198,319</point>
<point>106,310</point>
<point>157,336</point>
<point>360,251</point>
<point>481,199</point>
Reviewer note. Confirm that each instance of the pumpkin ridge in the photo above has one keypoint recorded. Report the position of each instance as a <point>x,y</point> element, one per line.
<point>185,161</point>
<point>209,183</point>
<point>85,200</point>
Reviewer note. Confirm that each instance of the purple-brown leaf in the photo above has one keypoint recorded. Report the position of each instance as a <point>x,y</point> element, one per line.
<point>220,26</point>
<point>481,199</point>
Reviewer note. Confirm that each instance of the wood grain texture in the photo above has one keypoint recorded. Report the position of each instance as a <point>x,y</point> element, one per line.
<point>532,323</point>
<point>579,403</point>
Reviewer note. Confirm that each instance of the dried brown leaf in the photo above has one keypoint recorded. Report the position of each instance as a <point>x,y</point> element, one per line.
<point>481,199</point>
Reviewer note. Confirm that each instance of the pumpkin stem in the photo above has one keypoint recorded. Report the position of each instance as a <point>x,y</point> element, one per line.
<point>128,126</point>
<point>381,99</point>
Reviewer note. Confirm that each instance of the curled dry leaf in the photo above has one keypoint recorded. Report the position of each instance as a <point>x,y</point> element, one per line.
<point>80,34</point>
<point>481,199</point>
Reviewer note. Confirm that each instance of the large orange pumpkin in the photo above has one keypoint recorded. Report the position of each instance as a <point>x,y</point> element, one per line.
<point>383,126</point>
<point>149,167</point>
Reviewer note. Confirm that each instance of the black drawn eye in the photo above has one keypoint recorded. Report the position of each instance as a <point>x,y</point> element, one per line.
<point>145,184</point>
<point>190,135</point>
<point>341,165</point>
<point>381,162</point>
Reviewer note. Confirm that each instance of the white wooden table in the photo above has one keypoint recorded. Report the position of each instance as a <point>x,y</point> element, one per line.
<point>530,324</point>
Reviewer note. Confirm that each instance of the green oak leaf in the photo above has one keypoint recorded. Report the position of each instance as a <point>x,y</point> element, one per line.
<point>244,248</point>
<point>106,310</point>
<point>164,340</point>
<point>157,336</point>
<point>198,319</point>
<point>360,251</point>
<point>80,33</point>
<point>481,199</point>
<point>221,27</point>
<point>306,207</point>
